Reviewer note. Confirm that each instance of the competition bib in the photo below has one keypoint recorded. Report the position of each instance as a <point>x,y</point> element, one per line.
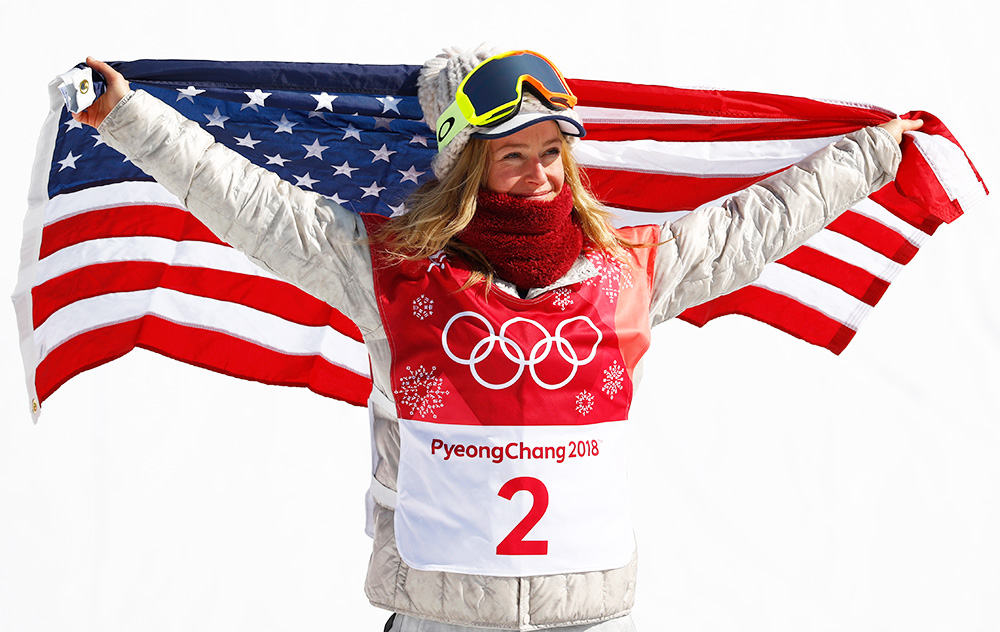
<point>512,418</point>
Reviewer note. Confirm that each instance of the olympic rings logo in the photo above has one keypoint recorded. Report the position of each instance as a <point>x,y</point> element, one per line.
<point>539,352</point>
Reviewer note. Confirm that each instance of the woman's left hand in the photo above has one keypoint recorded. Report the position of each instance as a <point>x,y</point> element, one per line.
<point>896,127</point>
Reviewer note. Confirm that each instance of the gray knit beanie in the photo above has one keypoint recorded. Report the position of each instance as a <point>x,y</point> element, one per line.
<point>436,87</point>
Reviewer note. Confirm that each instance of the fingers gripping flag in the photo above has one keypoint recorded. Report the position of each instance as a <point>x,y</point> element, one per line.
<point>111,261</point>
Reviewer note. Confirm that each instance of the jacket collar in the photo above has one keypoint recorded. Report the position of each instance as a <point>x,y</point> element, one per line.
<point>581,270</point>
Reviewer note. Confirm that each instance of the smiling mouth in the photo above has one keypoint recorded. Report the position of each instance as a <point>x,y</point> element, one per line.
<point>545,194</point>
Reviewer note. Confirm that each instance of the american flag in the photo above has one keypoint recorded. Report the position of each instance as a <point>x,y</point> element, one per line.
<point>111,261</point>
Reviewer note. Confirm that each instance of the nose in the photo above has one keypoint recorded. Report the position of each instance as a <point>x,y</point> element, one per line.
<point>535,172</point>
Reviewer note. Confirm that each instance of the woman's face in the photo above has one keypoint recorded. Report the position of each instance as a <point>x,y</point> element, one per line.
<point>527,163</point>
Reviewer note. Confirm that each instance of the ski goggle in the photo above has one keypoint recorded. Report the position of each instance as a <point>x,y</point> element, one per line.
<point>492,92</point>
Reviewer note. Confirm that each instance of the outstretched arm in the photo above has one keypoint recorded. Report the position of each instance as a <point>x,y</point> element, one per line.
<point>719,249</point>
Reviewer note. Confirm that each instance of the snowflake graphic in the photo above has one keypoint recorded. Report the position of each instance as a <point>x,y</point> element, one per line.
<point>613,275</point>
<point>423,306</point>
<point>421,391</point>
<point>561,298</point>
<point>614,379</point>
<point>584,402</point>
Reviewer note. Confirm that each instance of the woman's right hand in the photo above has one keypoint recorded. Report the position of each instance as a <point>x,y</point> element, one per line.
<point>116,87</point>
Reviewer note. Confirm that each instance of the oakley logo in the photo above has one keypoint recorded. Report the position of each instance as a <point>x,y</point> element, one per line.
<point>516,354</point>
<point>445,128</point>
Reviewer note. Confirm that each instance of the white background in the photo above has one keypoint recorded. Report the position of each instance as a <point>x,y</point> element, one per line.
<point>776,487</point>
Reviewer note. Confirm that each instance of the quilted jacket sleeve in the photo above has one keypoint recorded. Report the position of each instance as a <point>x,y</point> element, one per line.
<point>716,250</point>
<point>299,235</point>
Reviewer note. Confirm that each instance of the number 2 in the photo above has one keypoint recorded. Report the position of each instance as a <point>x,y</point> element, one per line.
<point>514,543</point>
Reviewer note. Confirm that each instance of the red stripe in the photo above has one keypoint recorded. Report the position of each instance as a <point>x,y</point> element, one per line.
<point>139,220</point>
<point>657,192</point>
<point>267,295</point>
<point>730,103</point>
<point>853,280</point>
<point>777,310</point>
<point>212,350</point>
<point>874,235</point>
<point>889,198</point>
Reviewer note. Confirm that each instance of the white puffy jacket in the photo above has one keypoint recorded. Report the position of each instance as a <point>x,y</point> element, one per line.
<point>318,245</point>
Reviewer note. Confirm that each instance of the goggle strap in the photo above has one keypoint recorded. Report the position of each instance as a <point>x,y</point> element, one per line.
<point>449,124</point>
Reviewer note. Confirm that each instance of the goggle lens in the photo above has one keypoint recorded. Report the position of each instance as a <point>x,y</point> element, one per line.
<point>495,87</point>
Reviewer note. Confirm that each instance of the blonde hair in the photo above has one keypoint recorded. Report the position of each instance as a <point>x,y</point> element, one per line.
<point>440,210</point>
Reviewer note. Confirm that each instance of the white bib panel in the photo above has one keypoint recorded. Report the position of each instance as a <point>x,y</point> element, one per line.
<point>564,507</point>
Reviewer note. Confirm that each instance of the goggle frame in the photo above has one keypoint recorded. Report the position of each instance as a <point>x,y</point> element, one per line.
<point>462,112</point>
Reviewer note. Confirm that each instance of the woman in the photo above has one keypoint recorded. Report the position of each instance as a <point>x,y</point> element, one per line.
<point>505,321</point>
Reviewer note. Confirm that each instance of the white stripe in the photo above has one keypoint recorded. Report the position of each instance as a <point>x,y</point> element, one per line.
<point>877,212</point>
<point>622,217</point>
<point>855,253</point>
<point>156,249</point>
<point>260,328</point>
<point>33,222</point>
<point>950,166</point>
<point>857,104</point>
<point>711,159</point>
<point>108,196</point>
<point>622,116</point>
<point>810,291</point>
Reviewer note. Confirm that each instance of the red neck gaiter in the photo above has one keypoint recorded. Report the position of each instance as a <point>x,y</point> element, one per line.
<point>530,243</point>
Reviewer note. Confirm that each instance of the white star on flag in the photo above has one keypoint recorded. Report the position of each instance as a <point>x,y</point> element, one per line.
<point>246,141</point>
<point>216,119</point>
<point>382,122</point>
<point>69,161</point>
<point>344,169</point>
<point>389,103</point>
<point>304,181</point>
<point>411,174</point>
<point>284,125</point>
<point>372,190</point>
<point>336,198</point>
<point>314,150</point>
<point>398,210</point>
<point>382,154</point>
<point>276,160</point>
<point>351,132</point>
<point>188,93</point>
<point>72,123</point>
<point>420,140</point>
<point>324,101</point>
<point>256,98</point>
